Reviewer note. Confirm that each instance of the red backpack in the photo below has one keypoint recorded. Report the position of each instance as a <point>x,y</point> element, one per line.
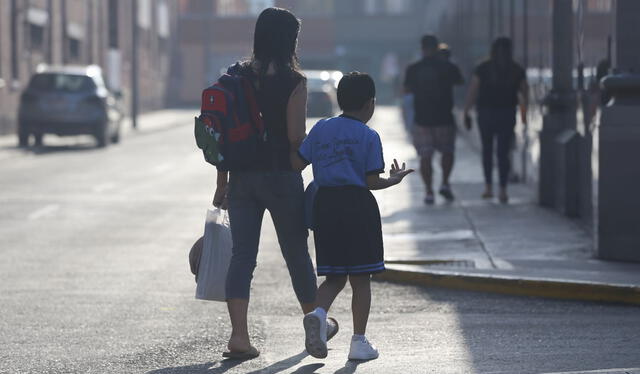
<point>230,130</point>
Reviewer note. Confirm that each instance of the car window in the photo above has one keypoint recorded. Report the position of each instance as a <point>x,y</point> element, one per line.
<point>61,82</point>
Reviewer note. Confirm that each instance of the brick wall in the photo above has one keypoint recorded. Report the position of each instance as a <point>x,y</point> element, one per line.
<point>77,32</point>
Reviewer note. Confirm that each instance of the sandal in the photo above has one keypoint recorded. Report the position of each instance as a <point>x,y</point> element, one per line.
<point>246,355</point>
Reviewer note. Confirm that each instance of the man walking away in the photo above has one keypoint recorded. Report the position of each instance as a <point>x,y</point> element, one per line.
<point>431,82</point>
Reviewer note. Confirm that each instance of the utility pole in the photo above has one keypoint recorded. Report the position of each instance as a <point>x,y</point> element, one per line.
<point>63,30</point>
<point>50,32</point>
<point>558,183</point>
<point>134,64</point>
<point>15,50</point>
<point>89,33</point>
<point>525,64</point>
<point>491,20</point>
<point>512,21</point>
<point>26,4</point>
<point>500,18</point>
<point>619,181</point>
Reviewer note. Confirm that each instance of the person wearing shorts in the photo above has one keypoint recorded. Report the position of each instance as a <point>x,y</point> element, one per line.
<point>347,162</point>
<point>431,81</point>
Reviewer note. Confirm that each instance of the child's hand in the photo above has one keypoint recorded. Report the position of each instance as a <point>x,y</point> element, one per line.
<point>397,173</point>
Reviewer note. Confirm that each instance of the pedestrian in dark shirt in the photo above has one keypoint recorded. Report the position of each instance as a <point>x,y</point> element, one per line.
<point>431,82</point>
<point>497,87</point>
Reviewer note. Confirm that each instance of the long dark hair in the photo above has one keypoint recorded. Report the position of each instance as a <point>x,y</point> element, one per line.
<point>501,60</point>
<point>275,41</point>
<point>502,51</point>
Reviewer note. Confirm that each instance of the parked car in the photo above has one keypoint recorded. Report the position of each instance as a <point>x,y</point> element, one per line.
<point>322,99</point>
<point>69,100</point>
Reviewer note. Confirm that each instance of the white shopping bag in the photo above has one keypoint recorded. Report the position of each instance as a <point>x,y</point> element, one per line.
<point>216,255</point>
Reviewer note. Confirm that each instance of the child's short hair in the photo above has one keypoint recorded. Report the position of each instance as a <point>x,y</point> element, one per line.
<point>354,90</point>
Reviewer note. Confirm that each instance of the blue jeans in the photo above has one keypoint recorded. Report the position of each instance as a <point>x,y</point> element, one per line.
<point>282,193</point>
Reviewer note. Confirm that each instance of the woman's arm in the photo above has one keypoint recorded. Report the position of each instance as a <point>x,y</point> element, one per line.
<point>220,196</point>
<point>523,100</point>
<point>297,163</point>
<point>297,116</point>
<point>472,94</point>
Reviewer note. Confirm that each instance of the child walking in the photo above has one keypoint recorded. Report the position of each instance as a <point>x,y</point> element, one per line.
<point>347,162</point>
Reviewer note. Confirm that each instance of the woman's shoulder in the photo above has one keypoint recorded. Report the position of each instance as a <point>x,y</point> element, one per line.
<point>297,76</point>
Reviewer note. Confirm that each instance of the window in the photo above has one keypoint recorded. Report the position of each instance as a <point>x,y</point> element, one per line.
<point>61,82</point>
<point>144,14</point>
<point>397,6</point>
<point>113,24</point>
<point>392,7</point>
<point>37,36</point>
<point>237,8</point>
<point>74,49</point>
<point>314,7</point>
<point>371,6</point>
<point>599,6</point>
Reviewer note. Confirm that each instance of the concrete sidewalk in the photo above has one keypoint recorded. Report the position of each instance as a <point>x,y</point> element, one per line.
<point>474,244</point>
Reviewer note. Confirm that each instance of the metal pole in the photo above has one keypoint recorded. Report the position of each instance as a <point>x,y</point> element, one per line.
<point>512,21</point>
<point>101,33</point>
<point>491,20</point>
<point>525,63</point>
<point>15,73</point>
<point>134,64</point>
<point>27,35</point>
<point>89,34</point>
<point>63,29</point>
<point>50,32</point>
<point>563,46</point>
<point>500,18</point>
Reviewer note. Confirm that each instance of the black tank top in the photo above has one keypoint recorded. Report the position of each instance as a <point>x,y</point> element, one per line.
<point>273,92</point>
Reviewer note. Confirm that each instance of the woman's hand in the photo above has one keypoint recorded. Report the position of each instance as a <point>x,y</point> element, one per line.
<point>220,198</point>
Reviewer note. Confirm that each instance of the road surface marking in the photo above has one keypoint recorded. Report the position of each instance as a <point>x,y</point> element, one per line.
<point>44,211</point>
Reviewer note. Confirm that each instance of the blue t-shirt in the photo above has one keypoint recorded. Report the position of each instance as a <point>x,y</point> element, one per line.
<point>343,151</point>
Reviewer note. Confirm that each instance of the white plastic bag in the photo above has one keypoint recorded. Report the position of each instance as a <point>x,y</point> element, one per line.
<point>216,256</point>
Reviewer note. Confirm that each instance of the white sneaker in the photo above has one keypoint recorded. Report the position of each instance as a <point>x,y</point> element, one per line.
<point>362,350</point>
<point>315,329</point>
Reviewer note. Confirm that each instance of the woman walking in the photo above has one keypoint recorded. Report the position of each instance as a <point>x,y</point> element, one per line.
<point>271,184</point>
<point>497,87</point>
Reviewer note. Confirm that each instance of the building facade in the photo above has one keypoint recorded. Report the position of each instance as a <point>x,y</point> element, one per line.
<point>215,33</point>
<point>62,32</point>
<point>381,37</point>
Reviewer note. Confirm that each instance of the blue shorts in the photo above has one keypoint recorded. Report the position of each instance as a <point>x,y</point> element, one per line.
<point>348,232</point>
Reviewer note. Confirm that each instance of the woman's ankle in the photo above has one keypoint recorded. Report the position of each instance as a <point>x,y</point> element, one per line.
<point>239,343</point>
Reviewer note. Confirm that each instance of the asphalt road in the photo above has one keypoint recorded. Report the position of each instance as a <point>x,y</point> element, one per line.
<point>94,279</point>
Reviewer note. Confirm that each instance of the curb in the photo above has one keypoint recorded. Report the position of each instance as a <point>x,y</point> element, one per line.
<point>545,288</point>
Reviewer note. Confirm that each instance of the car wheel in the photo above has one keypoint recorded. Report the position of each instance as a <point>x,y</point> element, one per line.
<point>23,137</point>
<point>38,139</point>
<point>115,137</point>
<point>102,137</point>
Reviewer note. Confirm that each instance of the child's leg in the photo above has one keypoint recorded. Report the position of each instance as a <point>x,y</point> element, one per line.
<point>329,289</point>
<point>360,302</point>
